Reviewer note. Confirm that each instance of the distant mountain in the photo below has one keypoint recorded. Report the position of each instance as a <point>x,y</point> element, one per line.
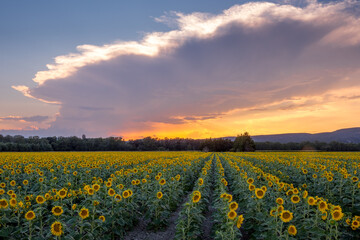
<point>347,135</point>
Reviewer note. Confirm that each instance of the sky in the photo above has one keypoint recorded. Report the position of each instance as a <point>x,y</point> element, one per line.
<point>168,68</point>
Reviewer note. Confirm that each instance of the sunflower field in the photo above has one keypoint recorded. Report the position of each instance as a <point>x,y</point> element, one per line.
<point>261,195</point>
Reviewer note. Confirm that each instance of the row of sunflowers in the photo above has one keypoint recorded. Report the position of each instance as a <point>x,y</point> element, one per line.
<point>262,195</point>
<point>281,207</point>
<point>91,195</point>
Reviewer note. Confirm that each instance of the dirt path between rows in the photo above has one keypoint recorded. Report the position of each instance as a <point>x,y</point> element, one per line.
<point>140,232</point>
<point>209,222</point>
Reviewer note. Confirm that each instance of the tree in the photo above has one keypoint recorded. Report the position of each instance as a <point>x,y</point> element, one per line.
<point>244,143</point>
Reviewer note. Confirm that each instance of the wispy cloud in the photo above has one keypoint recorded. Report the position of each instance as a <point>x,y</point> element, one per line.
<point>38,119</point>
<point>250,55</point>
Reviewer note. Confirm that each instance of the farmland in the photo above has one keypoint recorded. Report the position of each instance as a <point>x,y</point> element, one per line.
<point>89,195</point>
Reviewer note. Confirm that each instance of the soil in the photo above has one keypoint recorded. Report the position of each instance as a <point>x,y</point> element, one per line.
<point>140,232</point>
<point>208,223</point>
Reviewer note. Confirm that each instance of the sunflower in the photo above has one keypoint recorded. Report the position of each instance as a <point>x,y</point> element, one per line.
<point>62,193</point>
<point>355,224</point>
<point>57,210</point>
<point>280,201</point>
<point>91,191</point>
<point>102,218</point>
<point>13,183</point>
<point>40,199</point>
<point>143,180</point>
<point>233,206</point>
<point>30,215</point>
<point>305,194</point>
<point>337,215</point>
<point>322,206</point>
<point>2,191</point>
<point>295,199</point>
<point>162,181</point>
<point>272,212</point>
<point>96,187</point>
<point>125,194</point>
<point>133,182</point>
<point>130,192</point>
<point>13,202</point>
<point>232,215</point>
<point>73,207</point>
<point>260,193</point>
<point>348,221</point>
<point>311,201</point>
<point>201,181</point>
<point>108,184</point>
<point>57,228</point>
<point>196,198</point>
<point>111,192</point>
<point>118,197</point>
<point>292,230</point>
<point>120,186</point>
<point>251,187</point>
<point>324,216</point>
<point>229,197</point>
<point>95,203</point>
<point>286,216</point>
<point>84,213</point>
<point>3,203</point>
<point>280,208</point>
<point>250,181</point>
<point>159,195</point>
<point>239,221</point>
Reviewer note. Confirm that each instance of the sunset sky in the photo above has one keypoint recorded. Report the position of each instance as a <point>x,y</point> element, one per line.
<point>169,68</point>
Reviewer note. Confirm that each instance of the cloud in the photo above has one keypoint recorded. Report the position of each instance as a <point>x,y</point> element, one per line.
<point>37,119</point>
<point>250,55</point>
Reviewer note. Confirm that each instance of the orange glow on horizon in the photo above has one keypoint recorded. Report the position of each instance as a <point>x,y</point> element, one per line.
<point>326,116</point>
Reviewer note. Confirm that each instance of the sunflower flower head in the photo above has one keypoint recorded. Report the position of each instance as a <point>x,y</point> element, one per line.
<point>57,210</point>
<point>30,215</point>
<point>286,216</point>
<point>84,213</point>
<point>57,229</point>
<point>292,230</point>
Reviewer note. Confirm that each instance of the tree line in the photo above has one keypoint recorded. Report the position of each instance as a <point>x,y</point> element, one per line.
<point>242,142</point>
<point>19,143</point>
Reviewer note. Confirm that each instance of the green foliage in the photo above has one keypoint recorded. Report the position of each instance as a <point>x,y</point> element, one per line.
<point>244,143</point>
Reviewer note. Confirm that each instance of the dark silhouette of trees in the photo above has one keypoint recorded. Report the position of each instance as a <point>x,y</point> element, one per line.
<point>244,143</point>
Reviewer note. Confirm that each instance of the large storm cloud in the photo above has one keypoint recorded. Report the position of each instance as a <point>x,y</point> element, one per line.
<point>251,55</point>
